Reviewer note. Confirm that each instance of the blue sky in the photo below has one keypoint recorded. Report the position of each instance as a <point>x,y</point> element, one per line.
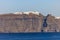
<point>43,6</point>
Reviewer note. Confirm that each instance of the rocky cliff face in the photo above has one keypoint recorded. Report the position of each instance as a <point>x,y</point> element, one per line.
<point>28,23</point>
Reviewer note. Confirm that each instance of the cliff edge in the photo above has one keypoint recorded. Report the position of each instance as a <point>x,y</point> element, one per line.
<point>32,22</point>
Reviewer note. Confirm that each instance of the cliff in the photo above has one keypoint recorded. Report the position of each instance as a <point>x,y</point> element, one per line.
<point>11,23</point>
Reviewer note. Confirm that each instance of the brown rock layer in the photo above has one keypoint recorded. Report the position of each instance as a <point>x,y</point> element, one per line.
<point>28,23</point>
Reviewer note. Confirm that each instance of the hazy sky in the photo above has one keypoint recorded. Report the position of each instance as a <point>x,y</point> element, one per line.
<point>43,6</point>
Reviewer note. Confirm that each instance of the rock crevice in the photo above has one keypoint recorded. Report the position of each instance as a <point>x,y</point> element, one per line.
<point>28,23</point>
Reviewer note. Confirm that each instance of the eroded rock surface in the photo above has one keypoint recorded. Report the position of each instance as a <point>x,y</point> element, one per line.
<point>28,23</point>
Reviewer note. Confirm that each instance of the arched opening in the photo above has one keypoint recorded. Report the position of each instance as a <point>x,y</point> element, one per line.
<point>42,30</point>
